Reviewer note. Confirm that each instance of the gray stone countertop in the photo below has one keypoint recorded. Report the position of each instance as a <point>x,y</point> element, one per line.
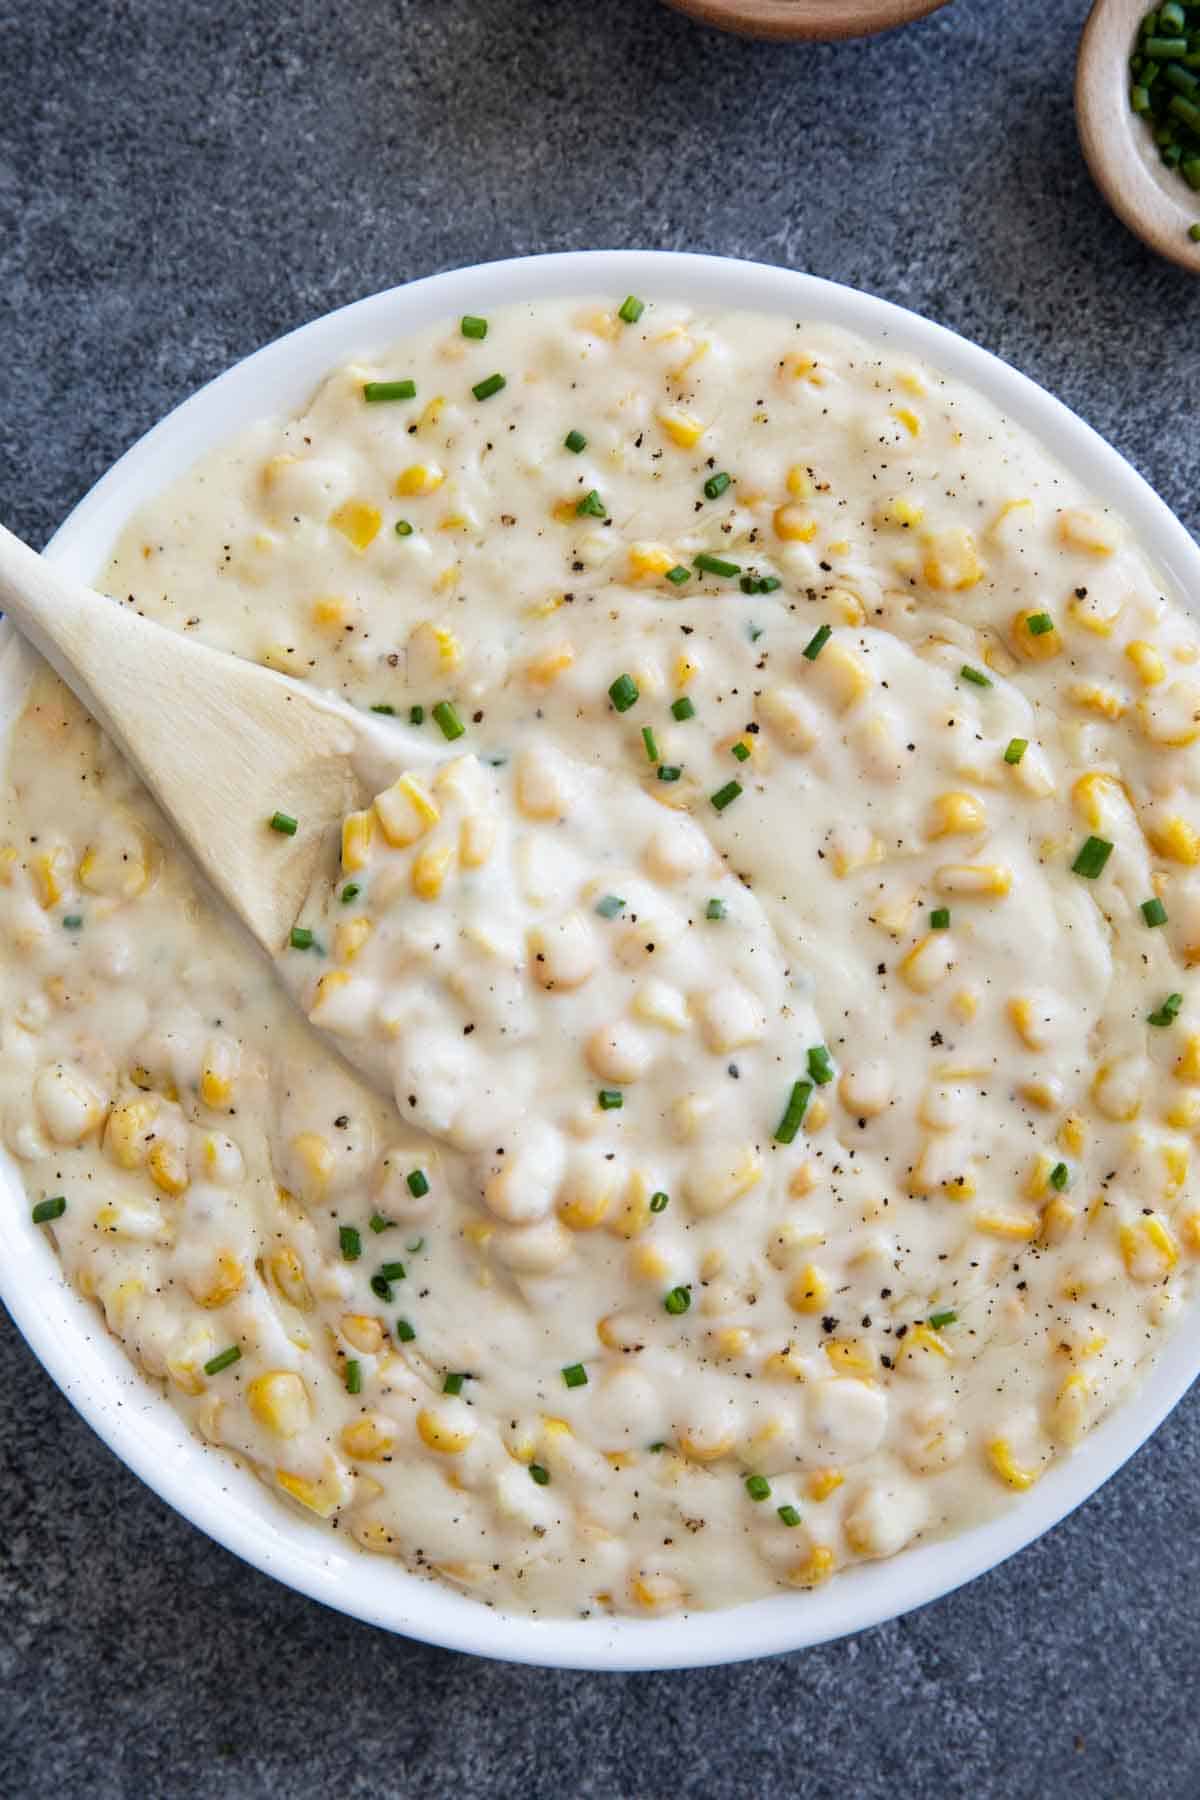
<point>180,183</point>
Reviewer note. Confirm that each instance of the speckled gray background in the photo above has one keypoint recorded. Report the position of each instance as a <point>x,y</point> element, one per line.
<point>181,182</point>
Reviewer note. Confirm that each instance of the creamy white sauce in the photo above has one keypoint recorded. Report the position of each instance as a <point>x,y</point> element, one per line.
<point>702,1354</point>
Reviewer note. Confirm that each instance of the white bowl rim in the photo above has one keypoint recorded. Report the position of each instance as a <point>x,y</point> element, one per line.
<point>67,1335</point>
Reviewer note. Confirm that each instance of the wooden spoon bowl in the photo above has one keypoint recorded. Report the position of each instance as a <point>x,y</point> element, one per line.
<point>1154,202</point>
<point>821,19</point>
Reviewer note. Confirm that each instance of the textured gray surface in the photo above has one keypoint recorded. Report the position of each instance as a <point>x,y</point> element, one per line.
<point>179,184</point>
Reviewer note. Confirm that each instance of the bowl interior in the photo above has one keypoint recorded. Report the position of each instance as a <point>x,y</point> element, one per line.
<point>68,1334</point>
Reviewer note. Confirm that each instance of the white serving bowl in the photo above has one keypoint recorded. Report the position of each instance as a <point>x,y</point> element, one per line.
<point>68,1334</point>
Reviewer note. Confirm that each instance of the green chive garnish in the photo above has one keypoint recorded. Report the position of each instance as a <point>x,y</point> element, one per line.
<point>383,707</point>
<point>46,1211</point>
<point>1168,1012</point>
<point>938,1319</point>
<point>741,751</point>
<point>452,726</point>
<point>417,1183</point>
<point>353,1377</point>
<point>669,771</point>
<point>404,1331</point>
<point>73,922</point>
<point>378,1223</point>
<point>1154,912</point>
<point>682,709</point>
<point>225,1360</point>
<point>575,441</point>
<point>1094,852</point>
<point>1016,749</point>
<point>591,506</point>
<point>648,740</point>
<point>350,1243</point>
<point>758,1487</point>
<point>715,909</point>
<point>1060,1175</point>
<point>793,1112</point>
<point>726,795</point>
<point>976,676</point>
<point>631,309</point>
<point>1039,624</point>
<point>678,1299</point>
<point>659,1202</point>
<point>715,486</point>
<point>610,906</point>
<point>610,1099</point>
<point>301,938</point>
<point>389,390</point>
<point>381,1287</point>
<point>453,1384</point>
<point>350,892</point>
<point>817,642</point>
<point>483,390</point>
<point>768,583</point>
<point>715,565</point>
<point>539,1474</point>
<point>820,1064</point>
<point>393,1271</point>
<point>788,1514</point>
<point>283,822</point>
<point>623,692</point>
<point>416,715</point>
<point>403,528</point>
<point>939,919</point>
<point>471,327</point>
<point>575,1375</point>
<point>679,575</point>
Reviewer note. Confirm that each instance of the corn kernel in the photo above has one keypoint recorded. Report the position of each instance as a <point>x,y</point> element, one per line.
<point>957,815</point>
<point>683,428</point>
<point>225,1278</point>
<point>420,479</point>
<point>793,525</point>
<point>1000,1455</point>
<point>358,522</point>
<point>279,1400</point>
<point>646,561</point>
<point>358,829</point>
<point>814,1569</point>
<point>1174,837</point>
<point>1094,698</point>
<point>951,562</point>
<point>1006,1225</point>
<point>1147,661</point>
<point>1079,528</point>
<point>543,670</point>
<point>168,1168</point>
<point>405,811</point>
<point>809,1291</point>
<point>430,869</point>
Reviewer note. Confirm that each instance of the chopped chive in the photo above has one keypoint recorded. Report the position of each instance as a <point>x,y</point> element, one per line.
<point>1154,912</point>
<point>631,309</point>
<point>1164,49</point>
<point>679,575</point>
<point>754,632</point>
<point>677,1299</point>
<point>715,486</point>
<point>483,390</point>
<point>1016,750</point>
<point>768,583</point>
<point>378,1223</point>
<point>610,1099</point>
<point>46,1211</point>
<point>539,1474</point>
<point>817,642</point>
<point>575,442</point>
<point>976,676</point>
<point>669,771</point>
<point>938,1319</point>
<point>820,1064</point>
<point>389,390</point>
<point>353,1377</point>
<point>452,726</point>
<point>1168,1012</point>
<point>350,892</point>
<point>73,922</point>
<point>655,1448</point>
<point>682,709</point>
<point>1039,624</point>
<point>659,1202</point>
<point>404,1331</point>
<point>591,506</point>
<point>750,584</point>
<point>224,1360</point>
<point>1187,110</point>
<point>1094,852</point>
<point>349,1242</point>
<point>574,1375</point>
<point>649,741</point>
<point>403,528</point>
<point>472,327</point>
<point>623,693</point>
<point>715,565</point>
<point>788,1514</point>
<point>414,1245</point>
<point>417,1183</point>
<point>416,715</point>
<point>793,1112</point>
<point>939,919</point>
<point>383,707</point>
<point>715,909</point>
<point>453,1384</point>
<point>301,938</point>
<point>393,1271</point>
<point>1060,1176</point>
<point>741,751</point>
<point>283,822</point>
<point>758,1487</point>
<point>610,906</point>
<point>725,796</point>
<point>1194,232</point>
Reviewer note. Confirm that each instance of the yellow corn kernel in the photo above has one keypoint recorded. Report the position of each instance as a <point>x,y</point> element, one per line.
<point>1038,1180</point>
<point>225,1278</point>
<point>430,869</point>
<point>217,1073</point>
<point>802,1181</point>
<point>683,428</point>
<point>316,1155</point>
<point>957,815</point>
<point>371,1439</point>
<point>844,675</point>
<point>1094,793</point>
<point>49,871</point>
<point>815,1569</point>
<point>1057,1220</point>
<point>406,811</point>
<point>649,1264</point>
<point>952,562</point>
<point>823,1482</point>
<point>363,1332</point>
<point>1042,1092</point>
<point>732,1340</point>
<point>1025,1022</point>
<point>476,840</point>
<point>965,1003</point>
<point>850,1356</point>
<point>1176,1159</point>
<point>1149,1248</point>
<point>902,511</point>
<point>927,962</point>
<point>1069,1416</point>
<point>349,938</point>
<point>420,479</point>
<point>326,988</point>
<point>686,670</point>
<point>1072,1135</point>
<point>9,856</point>
<point>330,611</point>
<point>809,1291</point>
<point>816,1115</point>
<point>848,607</point>
<point>358,521</point>
<point>910,420</point>
<point>922,1338</point>
<point>358,829</point>
<point>445,1433</point>
<point>322,1497</point>
<point>959,1187</point>
<point>279,1400</point>
<point>447,581</point>
<point>545,669</point>
<point>704,1450</point>
<point>799,482</point>
<point>787,1364</point>
<point>1094,698</point>
<point>1000,1455</point>
<point>793,525</point>
<point>287,1274</point>
<point>1183,1114</point>
<point>128,1127</point>
<point>1175,838</point>
<point>657,1593</point>
<point>1082,529</point>
<point>543,609</point>
<point>285,660</point>
<point>679,374</point>
<point>1006,1225</point>
<point>646,561</point>
<point>168,1168</point>
<point>1032,646</point>
<point>563,511</point>
<point>1013,514</point>
<point>800,365</point>
<point>1189,1226</point>
<point>1147,661</point>
<point>185,1361</point>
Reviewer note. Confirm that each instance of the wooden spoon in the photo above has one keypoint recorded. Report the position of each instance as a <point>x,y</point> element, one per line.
<point>1154,202</point>
<point>822,19</point>
<point>222,744</point>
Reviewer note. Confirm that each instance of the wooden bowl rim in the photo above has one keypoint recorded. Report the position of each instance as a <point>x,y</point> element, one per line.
<point>823,20</point>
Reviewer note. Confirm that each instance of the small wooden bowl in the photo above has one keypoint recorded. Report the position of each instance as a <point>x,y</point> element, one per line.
<point>1116,141</point>
<point>823,19</point>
